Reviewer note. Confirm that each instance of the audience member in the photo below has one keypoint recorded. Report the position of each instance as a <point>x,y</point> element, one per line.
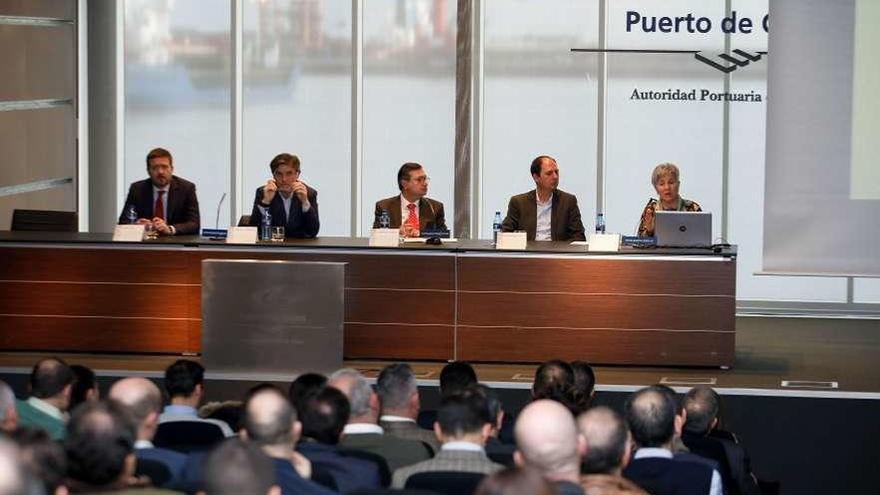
<point>239,468</point>
<point>584,384</point>
<point>651,414</point>
<point>399,402</point>
<point>85,386</point>
<point>323,418</point>
<point>51,382</point>
<point>13,476</point>
<point>43,458</point>
<point>8,414</point>
<point>456,377</point>
<point>547,440</point>
<point>305,387</point>
<point>363,431</point>
<point>515,481</point>
<point>462,428</point>
<point>184,383</point>
<point>496,449</point>
<point>270,422</point>
<point>609,447</point>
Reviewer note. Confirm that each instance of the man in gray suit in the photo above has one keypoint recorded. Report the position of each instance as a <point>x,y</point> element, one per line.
<point>363,431</point>
<point>547,213</point>
<point>462,427</point>
<point>399,399</point>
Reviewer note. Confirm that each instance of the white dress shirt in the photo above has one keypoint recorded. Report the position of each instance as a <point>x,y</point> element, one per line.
<point>404,209</point>
<point>545,215</point>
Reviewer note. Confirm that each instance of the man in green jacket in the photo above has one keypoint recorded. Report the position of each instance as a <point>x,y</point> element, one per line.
<point>51,381</point>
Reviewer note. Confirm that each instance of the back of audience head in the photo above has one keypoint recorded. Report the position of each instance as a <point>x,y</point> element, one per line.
<point>43,458</point>
<point>325,415</point>
<point>239,468</point>
<point>143,401</point>
<point>304,387</point>
<point>363,402</point>
<point>52,379</point>
<point>455,377</point>
<point>13,476</point>
<point>554,380</point>
<point>269,418</point>
<point>652,417</point>
<point>463,417</point>
<point>185,379</point>
<point>584,384</point>
<point>608,441</point>
<point>702,405</point>
<point>85,386</point>
<point>547,440</point>
<point>515,481</point>
<point>494,407</point>
<point>398,391</point>
<point>8,414</point>
<point>100,446</point>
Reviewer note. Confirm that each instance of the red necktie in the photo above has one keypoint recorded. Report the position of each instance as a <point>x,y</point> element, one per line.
<point>159,208</point>
<point>412,220</point>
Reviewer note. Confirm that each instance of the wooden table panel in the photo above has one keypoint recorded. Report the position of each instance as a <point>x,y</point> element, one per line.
<point>399,306</point>
<point>428,342</point>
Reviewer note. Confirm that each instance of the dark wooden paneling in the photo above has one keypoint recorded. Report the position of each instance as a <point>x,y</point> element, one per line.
<point>591,275</point>
<point>96,334</point>
<point>386,306</point>
<point>427,342</point>
<point>510,344</point>
<point>98,265</point>
<point>607,311</point>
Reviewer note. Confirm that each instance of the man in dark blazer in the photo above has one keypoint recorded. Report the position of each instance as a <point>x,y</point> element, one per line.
<point>165,201</point>
<point>547,213</point>
<point>292,204</point>
<point>411,211</point>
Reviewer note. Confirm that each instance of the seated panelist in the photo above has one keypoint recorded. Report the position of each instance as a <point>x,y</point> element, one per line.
<point>290,202</point>
<point>164,201</point>
<point>665,179</point>
<point>411,211</point>
<point>547,213</point>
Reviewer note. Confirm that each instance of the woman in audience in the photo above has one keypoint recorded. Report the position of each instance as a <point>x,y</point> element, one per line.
<point>666,182</point>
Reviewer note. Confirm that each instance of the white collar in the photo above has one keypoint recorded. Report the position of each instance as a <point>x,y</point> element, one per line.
<point>143,444</point>
<point>45,407</point>
<point>404,202</point>
<point>358,428</point>
<point>459,445</point>
<point>647,452</point>
<point>548,202</point>
<point>396,419</point>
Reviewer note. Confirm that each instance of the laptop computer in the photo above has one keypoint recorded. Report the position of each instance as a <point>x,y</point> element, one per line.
<point>683,229</point>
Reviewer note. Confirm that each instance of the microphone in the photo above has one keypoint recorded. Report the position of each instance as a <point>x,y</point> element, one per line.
<point>217,222</point>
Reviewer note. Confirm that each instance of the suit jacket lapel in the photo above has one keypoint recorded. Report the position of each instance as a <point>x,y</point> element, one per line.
<point>173,192</point>
<point>554,218</point>
<point>425,214</point>
<point>146,205</point>
<point>396,221</point>
<point>530,215</point>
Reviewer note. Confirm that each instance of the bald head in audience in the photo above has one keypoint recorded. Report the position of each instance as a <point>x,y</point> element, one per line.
<point>143,400</point>
<point>608,441</point>
<point>239,468</point>
<point>702,405</point>
<point>270,422</point>
<point>8,416</point>
<point>547,440</point>
<point>51,381</point>
<point>651,415</point>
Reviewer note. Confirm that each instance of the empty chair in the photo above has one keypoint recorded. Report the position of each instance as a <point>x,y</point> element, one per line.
<point>44,221</point>
<point>244,221</point>
<point>446,482</point>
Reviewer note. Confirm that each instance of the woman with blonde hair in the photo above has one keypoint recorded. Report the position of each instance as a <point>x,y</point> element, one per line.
<point>666,183</point>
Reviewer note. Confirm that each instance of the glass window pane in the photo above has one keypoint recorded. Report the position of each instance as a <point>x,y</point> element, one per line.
<point>539,99</point>
<point>177,93</point>
<point>408,98</point>
<point>297,99</point>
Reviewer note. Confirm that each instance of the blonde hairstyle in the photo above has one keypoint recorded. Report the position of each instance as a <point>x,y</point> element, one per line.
<point>663,170</point>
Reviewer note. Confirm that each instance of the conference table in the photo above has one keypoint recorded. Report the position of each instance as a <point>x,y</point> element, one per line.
<point>465,300</point>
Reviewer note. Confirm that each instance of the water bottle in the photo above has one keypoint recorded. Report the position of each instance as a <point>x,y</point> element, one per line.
<point>385,219</point>
<point>131,214</point>
<point>266,227</point>
<point>600,223</point>
<point>496,227</point>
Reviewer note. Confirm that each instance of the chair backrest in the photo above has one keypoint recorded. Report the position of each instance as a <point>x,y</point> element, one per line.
<point>384,470</point>
<point>44,220</point>
<point>244,220</point>
<point>323,477</point>
<point>391,491</point>
<point>446,482</point>
<point>187,436</point>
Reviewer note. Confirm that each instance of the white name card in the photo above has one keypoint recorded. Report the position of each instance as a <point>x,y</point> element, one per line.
<point>511,240</point>
<point>128,233</point>
<point>384,237</point>
<point>241,235</point>
<point>604,242</point>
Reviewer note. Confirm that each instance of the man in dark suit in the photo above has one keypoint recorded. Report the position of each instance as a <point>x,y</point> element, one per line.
<point>608,451</point>
<point>547,213</point>
<point>400,403</point>
<point>651,415</point>
<point>411,211</point>
<point>291,203</point>
<point>165,201</point>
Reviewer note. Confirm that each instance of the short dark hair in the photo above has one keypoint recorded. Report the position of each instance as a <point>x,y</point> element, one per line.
<point>462,413</point>
<point>605,448</point>
<point>403,173</point>
<point>305,387</point>
<point>235,467</point>
<point>554,380</point>
<point>395,385</point>
<point>651,417</point>
<point>83,382</point>
<point>182,377</point>
<point>269,430</point>
<point>42,456</point>
<point>49,377</point>
<point>99,437</point>
<point>493,402</point>
<point>584,382</point>
<point>159,153</point>
<point>325,415</point>
<point>536,163</point>
<point>702,404</point>
<point>284,159</point>
<point>455,377</point>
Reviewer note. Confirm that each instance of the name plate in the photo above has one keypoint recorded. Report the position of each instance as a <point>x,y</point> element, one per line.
<point>215,234</point>
<point>604,242</point>
<point>442,234</point>
<point>511,240</point>
<point>129,233</point>
<point>384,237</point>
<point>241,235</point>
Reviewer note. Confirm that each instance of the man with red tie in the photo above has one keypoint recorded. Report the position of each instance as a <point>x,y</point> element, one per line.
<point>165,201</point>
<point>411,211</point>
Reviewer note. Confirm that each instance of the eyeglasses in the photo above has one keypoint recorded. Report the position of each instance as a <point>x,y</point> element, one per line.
<point>422,179</point>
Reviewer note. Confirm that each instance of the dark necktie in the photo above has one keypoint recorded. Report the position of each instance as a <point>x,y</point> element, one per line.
<point>159,208</point>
